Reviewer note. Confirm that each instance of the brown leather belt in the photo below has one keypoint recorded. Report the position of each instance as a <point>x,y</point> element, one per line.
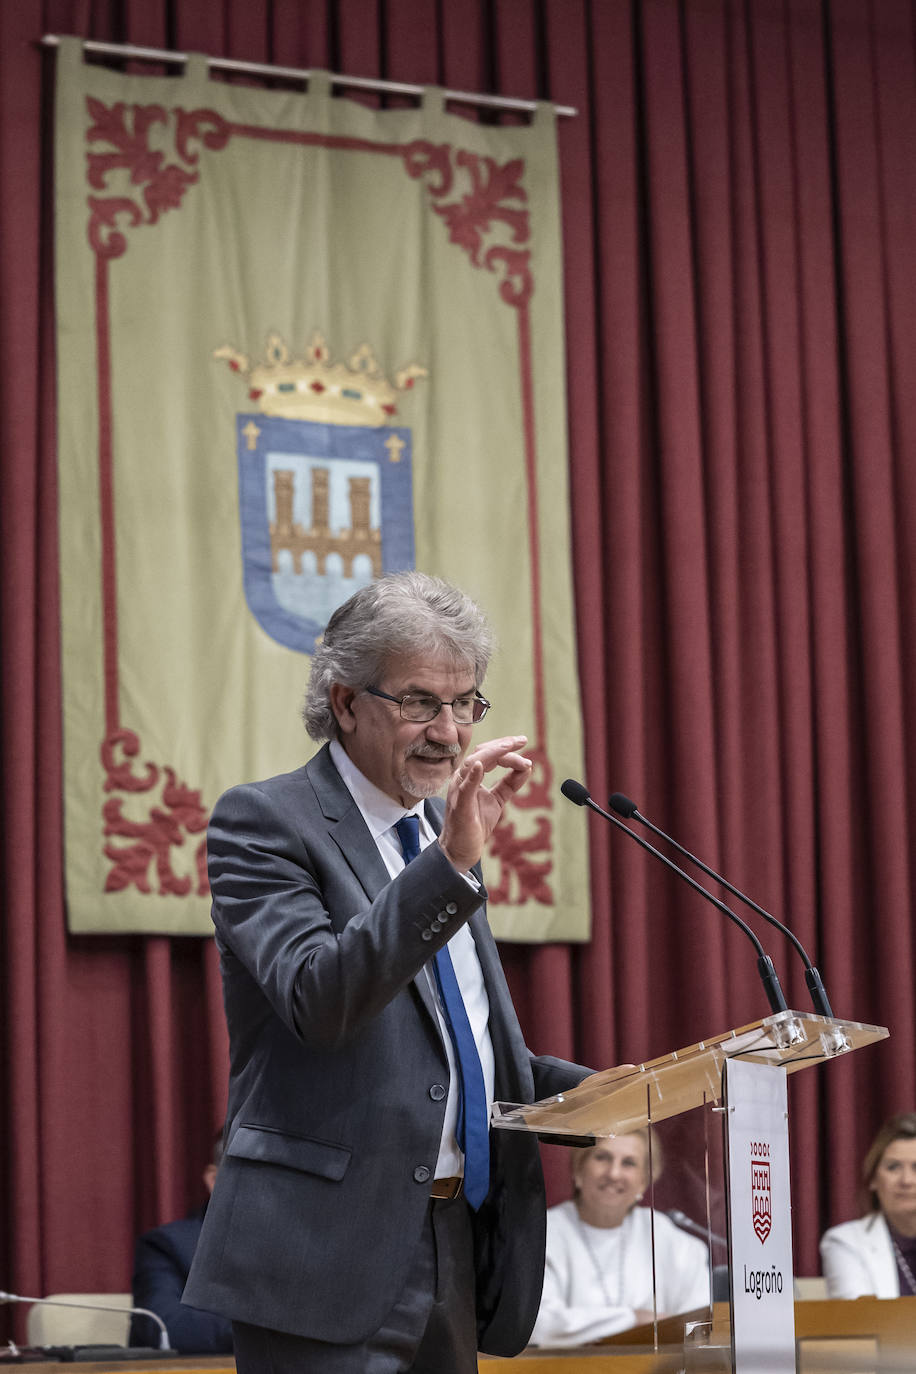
<point>447,1187</point>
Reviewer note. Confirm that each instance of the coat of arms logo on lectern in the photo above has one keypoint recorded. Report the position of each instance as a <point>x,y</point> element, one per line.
<point>761,1198</point>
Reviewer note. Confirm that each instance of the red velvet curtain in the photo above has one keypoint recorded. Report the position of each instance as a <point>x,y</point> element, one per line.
<point>739,205</point>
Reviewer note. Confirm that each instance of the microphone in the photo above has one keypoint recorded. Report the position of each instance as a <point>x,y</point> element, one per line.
<point>687,1223</point>
<point>627,808</point>
<point>575,792</point>
<point>97,1307</point>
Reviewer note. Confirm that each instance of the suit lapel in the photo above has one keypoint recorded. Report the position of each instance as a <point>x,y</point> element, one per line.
<point>422,982</point>
<point>346,826</point>
<point>512,1061</point>
<point>350,833</point>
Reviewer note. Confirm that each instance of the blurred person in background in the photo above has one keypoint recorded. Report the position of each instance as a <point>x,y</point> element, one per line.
<point>598,1275</point>
<point>875,1256</point>
<point>162,1261</point>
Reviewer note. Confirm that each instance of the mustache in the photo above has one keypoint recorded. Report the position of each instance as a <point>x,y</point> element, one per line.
<point>432,749</point>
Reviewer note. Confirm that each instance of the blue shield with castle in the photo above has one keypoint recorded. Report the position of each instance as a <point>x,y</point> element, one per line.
<point>325,484</point>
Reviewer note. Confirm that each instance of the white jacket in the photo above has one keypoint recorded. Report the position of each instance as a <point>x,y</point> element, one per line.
<point>582,1303</point>
<point>858,1259</point>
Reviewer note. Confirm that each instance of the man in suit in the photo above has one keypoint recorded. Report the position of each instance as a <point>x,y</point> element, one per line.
<point>162,1262</point>
<point>364,1220</point>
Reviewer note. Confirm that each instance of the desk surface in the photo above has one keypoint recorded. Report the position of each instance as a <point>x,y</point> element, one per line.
<point>892,1322</point>
<point>620,1361</point>
<point>181,1364</point>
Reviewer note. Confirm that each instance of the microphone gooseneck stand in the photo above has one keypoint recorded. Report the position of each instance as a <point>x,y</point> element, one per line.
<point>578,794</point>
<point>627,808</point>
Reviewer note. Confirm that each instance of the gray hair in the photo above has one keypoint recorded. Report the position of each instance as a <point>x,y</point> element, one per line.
<point>405,614</point>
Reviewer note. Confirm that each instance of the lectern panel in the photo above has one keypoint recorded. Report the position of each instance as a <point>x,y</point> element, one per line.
<point>616,1102</point>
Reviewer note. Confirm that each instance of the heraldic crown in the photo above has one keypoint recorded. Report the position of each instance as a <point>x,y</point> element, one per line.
<point>313,387</point>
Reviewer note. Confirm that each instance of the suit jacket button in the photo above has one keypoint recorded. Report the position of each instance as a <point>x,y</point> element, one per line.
<point>421,1174</point>
<point>451,908</point>
<point>437,1092</point>
<point>434,925</point>
<point>426,935</point>
<point>442,917</point>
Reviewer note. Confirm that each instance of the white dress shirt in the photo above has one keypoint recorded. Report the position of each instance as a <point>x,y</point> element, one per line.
<point>381,813</point>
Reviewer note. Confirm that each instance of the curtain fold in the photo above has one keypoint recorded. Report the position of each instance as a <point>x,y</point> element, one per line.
<point>739,209</point>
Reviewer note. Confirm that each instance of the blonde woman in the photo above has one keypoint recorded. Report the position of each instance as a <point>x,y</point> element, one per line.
<point>598,1275</point>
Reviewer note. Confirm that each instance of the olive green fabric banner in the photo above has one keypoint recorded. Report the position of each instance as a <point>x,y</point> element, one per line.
<point>300,342</point>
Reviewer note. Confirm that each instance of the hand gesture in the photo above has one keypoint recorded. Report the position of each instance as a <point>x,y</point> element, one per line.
<point>473,810</point>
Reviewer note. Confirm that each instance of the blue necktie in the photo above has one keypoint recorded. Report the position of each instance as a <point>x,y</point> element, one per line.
<point>473,1128</point>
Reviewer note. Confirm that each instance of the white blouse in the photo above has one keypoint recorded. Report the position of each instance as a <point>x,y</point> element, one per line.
<point>596,1277</point>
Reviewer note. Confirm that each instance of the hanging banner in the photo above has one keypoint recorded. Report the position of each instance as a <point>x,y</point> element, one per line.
<point>300,343</point>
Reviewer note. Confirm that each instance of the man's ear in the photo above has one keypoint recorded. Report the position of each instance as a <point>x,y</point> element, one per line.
<point>341,699</point>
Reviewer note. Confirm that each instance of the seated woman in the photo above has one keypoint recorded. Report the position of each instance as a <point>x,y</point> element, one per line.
<point>876,1255</point>
<point>598,1277</point>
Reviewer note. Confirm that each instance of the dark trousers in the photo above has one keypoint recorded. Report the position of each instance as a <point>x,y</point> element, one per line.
<point>432,1328</point>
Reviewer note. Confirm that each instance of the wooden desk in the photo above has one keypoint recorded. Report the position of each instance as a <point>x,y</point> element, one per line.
<point>181,1364</point>
<point>866,1336</point>
<point>622,1360</point>
<point>589,1360</point>
<point>891,1320</point>
<point>890,1323</point>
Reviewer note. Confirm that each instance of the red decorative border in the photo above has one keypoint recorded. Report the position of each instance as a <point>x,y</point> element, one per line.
<point>495,197</point>
<point>152,840</point>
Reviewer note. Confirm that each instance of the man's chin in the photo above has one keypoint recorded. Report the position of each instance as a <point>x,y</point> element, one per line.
<point>421,787</point>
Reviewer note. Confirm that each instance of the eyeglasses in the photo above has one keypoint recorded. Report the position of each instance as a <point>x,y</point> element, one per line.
<point>420,706</point>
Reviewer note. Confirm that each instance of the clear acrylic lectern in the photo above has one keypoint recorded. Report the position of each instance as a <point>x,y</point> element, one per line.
<point>616,1102</point>
<point>756,1188</point>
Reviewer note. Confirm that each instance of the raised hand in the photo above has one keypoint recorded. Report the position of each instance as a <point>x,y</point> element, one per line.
<point>473,810</point>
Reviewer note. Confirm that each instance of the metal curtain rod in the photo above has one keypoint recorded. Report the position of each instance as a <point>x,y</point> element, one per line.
<point>366,83</point>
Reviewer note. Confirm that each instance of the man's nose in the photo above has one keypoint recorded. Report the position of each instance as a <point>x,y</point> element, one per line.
<point>442,727</point>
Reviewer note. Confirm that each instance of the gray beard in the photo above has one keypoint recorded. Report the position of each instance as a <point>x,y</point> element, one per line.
<point>422,790</point>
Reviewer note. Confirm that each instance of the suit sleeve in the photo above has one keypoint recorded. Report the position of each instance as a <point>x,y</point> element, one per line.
<point>552,1076</point>
<point>288,908</point>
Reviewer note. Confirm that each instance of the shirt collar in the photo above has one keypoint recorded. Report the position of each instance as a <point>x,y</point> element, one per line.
<point>378,810</point>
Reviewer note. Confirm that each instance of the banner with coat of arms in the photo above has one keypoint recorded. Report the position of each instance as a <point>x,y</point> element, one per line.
<point>300,343</point>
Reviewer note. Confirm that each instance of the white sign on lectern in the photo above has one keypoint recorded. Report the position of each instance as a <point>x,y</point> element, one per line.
<point>760,1218</point>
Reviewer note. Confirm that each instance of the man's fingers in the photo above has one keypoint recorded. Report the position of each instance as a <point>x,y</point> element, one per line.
<point>514,760</point>
<point>511,782</point>
<point>470,774</point>
<point>493,751</point>
<point>607,1076</point>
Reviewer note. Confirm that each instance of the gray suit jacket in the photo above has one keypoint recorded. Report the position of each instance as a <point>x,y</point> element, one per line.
<point>336,1069</point>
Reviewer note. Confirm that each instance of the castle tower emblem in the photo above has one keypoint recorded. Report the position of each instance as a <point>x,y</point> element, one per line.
<point>325,482</point>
